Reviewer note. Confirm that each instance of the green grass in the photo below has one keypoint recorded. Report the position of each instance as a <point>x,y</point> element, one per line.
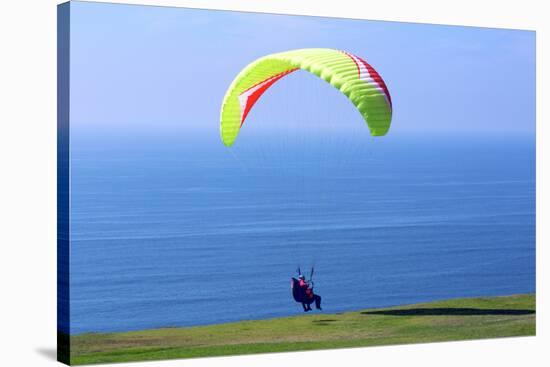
<point>457,319</point>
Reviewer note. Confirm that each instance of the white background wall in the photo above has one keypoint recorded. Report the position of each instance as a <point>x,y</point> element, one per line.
<point>28,182</point>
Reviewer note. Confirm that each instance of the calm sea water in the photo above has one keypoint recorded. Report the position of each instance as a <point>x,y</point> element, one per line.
<point>169,232</point>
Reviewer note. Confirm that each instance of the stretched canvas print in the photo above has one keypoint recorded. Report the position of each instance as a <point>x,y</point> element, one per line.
<point>233,183</point>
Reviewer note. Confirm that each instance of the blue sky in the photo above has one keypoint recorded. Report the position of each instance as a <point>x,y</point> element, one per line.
<point>146,68</point>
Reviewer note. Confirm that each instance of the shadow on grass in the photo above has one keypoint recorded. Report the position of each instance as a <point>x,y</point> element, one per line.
<point>323,321</point>
<point>449,312</point>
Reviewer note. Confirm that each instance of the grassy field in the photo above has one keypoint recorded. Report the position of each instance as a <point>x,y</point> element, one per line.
<point>457,319</point>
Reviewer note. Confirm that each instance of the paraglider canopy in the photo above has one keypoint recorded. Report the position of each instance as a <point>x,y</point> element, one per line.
<point>350,74</point>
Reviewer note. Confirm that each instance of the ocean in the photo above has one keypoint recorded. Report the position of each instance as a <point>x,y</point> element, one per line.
<point>171,231</point>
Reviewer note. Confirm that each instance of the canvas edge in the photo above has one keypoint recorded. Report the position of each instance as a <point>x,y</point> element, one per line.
<point>63,183</point>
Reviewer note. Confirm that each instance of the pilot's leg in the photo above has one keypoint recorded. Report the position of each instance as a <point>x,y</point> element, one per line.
<point>318,302</point>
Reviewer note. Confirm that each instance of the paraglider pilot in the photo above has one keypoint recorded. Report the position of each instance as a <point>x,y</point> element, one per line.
<point>308,296</point>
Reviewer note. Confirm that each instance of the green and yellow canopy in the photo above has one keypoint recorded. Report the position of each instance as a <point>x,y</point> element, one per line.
<point>350,74</point>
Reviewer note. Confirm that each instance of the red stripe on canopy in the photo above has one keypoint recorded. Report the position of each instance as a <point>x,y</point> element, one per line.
<point>374,74</point>
<point>254,96</point>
